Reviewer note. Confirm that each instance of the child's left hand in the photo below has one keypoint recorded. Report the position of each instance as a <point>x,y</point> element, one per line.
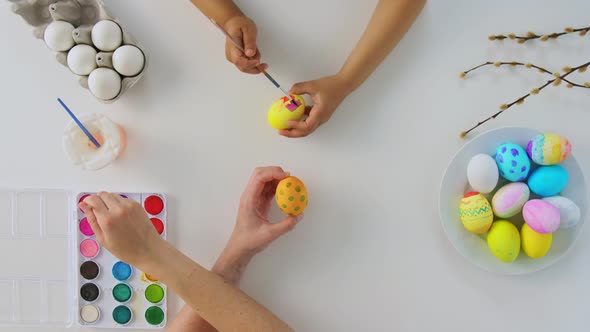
<point>327,93</point>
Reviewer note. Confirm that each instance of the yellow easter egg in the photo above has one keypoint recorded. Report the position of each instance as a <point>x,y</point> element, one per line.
<point>504,241</point>
<point>291,196</point>
<point>283,110</point>
<point>534,244</point>
<point>476,213</point>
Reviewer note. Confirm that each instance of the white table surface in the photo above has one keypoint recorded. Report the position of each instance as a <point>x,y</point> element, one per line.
<point>370,254</point>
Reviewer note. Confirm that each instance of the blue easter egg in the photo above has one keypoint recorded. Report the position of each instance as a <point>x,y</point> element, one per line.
<point>548,180</point>
<point>513,163</point>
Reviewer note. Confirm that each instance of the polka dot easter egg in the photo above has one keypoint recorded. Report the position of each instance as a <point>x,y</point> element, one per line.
<point>291,196</point>
<point>476,213</point>
<point>513,162</point>
<point>548,149</point>
<point>283,111</point>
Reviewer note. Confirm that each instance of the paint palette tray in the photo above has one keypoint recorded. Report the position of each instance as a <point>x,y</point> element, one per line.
<point>36,264</point>
<point>54,273</point>
<point>111,293</point>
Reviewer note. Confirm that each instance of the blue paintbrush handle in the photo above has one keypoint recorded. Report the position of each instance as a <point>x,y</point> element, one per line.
<point>90,137</point>
<point>271,79</point>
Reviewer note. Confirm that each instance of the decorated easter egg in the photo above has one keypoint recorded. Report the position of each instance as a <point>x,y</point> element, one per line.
<point>291,196</point>
<point>128,60</point>
<point>548,180</point>
<point>58,36</point>
<point>283,110</point>
<point>569,213</point>
<point>509,200</point>
<point>107,35</point>
<point>476,213</point>
<point>82,59</point>
<point>104,83</point>
<point>482,173</point>
<point>548,149</point>
<point>542,216</point>
<point>534,244</point>
<point>504,241</point>
<point>513,162</point>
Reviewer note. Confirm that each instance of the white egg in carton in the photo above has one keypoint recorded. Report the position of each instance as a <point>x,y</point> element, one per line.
<point>88,40</point>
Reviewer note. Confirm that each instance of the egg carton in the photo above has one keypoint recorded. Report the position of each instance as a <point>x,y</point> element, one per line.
<point>80,13</point>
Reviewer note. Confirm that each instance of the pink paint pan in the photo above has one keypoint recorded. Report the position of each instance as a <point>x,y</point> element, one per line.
<point>89,248</point>
<point>85,227</point>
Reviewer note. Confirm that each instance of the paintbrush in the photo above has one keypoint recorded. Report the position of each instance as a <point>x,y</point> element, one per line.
<point>270,78</point>
<point>90,137</point>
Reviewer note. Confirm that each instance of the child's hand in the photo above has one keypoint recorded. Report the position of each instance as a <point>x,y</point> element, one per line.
<point>327,93</point>
<point>253,231</point>
<point>122,227</point>
<point>243,30</point>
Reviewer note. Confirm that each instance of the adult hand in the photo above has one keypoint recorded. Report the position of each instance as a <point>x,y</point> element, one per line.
<point>243,30</point>
<point>122,227</point>
<point>253,231</point>
<point>327,93</point>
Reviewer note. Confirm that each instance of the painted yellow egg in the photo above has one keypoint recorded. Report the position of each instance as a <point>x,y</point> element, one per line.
<point>504,241</point>
<point>535,245</point>
<point>476,213</point>
<point>283,110</point>
<point>291,196</point>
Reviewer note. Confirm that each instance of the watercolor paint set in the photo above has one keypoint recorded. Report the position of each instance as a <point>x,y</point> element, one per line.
<point>55,273</point>
<point>111,293</point>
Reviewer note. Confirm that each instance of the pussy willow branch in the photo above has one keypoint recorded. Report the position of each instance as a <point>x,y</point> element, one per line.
<point>527,65</point>
<point>556,81</point>
<point>531,35</point>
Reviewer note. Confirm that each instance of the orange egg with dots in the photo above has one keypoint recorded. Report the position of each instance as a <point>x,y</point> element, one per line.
<point>291,196</point>
<point>284,110</point>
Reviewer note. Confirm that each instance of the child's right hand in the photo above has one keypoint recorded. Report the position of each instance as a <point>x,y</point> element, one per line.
<point>244,31</point>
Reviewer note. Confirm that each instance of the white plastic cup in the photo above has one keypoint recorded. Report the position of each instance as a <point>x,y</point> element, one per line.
<point>82,152</point>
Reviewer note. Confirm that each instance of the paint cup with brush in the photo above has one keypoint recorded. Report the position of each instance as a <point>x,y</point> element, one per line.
<point>92,141</point>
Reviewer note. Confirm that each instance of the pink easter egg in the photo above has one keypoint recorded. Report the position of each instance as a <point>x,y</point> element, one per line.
<point>509,200</point>
<point>542,216</point>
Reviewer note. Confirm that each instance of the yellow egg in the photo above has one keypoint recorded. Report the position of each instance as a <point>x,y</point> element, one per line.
<point>504,241</point>
<point>283,110</point>
<point>476,213</point>
<point>534,244</point>
<point>291,196</point>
